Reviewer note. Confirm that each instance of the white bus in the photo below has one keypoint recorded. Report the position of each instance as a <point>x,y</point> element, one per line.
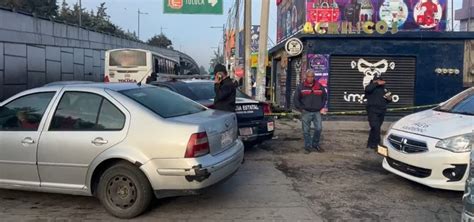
<point>137,65</point>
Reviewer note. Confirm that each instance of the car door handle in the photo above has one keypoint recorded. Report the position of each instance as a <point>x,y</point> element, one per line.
<point>27,141</point>
<point>99,141</point>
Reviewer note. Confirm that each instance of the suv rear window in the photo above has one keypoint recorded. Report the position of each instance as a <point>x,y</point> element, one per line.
<point>163,102</point>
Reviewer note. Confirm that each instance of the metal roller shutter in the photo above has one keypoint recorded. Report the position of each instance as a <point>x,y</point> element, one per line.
<point>295,67</point>
<point>346,80</point>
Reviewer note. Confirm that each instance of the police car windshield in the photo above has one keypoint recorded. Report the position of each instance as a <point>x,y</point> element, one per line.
<point>462,103</point>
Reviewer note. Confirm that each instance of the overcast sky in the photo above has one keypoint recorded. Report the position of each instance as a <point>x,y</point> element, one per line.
<point>189,33</point>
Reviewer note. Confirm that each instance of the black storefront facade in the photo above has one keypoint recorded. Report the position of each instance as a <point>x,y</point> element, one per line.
<point>421,68</point>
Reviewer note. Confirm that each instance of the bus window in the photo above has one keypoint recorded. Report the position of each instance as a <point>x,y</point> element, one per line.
<point>168,66</point>
<point>156,68</point>
<point>127,58</point>
<point>176,69</point>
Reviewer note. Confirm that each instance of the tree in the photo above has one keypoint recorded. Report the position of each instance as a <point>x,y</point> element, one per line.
<point>44,8</point>
<point>99,21</point>
<point>202,70</point>
<point>160,41</point>
<point>217,59</point>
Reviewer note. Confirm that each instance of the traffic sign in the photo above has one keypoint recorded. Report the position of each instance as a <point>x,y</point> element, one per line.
<point>193,7</point>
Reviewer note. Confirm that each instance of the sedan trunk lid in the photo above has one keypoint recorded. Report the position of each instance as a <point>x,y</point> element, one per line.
<point>221,128</point>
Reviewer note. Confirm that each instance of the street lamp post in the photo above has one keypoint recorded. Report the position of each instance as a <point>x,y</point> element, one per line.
<point>223,37</point>
<point>80,13</point>
<point>140,13</point>
<point>161,29</point>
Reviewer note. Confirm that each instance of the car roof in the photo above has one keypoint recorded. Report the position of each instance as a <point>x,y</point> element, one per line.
<point>197,81</point>
<point>63,83</point>
<point>180,82</point>
<point>96,85</point>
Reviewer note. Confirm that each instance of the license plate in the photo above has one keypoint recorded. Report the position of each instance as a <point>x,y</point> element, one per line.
<point>383,151</point>
<point>226,138</point>
<point>270,126</point>
<point>245,131</point>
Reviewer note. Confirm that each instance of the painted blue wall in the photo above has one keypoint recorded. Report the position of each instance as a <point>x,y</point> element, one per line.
<point>430,54</point>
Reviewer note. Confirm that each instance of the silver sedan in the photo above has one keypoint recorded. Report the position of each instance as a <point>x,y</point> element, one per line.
<point>122,143</point>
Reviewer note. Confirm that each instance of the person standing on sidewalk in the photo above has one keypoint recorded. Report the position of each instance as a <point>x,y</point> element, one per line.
<point>310,98</point>
<point>377,99</point>
<point>225,89</point>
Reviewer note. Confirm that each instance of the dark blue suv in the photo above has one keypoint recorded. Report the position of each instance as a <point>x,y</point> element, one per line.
<point>255,126</point>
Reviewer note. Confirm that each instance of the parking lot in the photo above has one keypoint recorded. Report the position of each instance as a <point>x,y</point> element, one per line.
<point>278,182</point>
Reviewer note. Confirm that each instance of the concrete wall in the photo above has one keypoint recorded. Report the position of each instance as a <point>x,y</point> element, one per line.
<point>36,51</point>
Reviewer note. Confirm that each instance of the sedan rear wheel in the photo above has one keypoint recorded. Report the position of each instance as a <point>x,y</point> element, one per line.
<point>124,191</point>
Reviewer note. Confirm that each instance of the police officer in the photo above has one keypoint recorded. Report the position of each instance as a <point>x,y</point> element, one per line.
<point>377,99</point>
<point>225,89</point>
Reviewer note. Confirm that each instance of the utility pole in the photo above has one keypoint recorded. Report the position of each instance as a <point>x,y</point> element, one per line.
<point>262,52</point>
<point>237,38</point>
<point>452,15</point>
<point>140,13</point>
<point>247,24</point>
<point>469,17</point>
<point>223,38</point>
<point>224,41</point>
<point>80,13</point>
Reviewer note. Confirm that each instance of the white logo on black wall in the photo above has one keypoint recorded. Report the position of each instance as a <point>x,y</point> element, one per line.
<point>369,70</point>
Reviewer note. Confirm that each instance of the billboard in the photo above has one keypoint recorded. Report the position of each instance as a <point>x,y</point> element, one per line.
<point>193,7</point>
<point>406,15</point>
<point>254,38</point>
<point>254,41</point>
<point>290,18</point>
<point>359,16</point>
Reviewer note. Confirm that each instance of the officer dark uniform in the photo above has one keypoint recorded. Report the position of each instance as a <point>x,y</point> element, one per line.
<point>225,89</point>
<point>377,99</point>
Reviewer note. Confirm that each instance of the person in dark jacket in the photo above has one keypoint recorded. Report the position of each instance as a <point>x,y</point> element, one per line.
<point>310,98</point>
<point>225,89</point>
<point>377,99</point>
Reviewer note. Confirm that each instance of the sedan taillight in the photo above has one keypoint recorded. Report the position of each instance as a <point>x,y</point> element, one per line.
<point>267,109</point>
<point>198,145</point>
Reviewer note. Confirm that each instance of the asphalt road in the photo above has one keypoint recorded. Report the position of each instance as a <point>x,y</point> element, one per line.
<point>278,182</point>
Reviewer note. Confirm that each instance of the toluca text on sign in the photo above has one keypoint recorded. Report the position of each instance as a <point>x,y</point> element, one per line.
<point>369,27</point>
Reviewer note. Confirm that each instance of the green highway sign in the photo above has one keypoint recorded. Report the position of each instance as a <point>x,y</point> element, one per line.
<point>193,7</point>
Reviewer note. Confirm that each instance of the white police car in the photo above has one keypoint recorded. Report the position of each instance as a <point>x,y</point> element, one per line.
<point>432,147</point>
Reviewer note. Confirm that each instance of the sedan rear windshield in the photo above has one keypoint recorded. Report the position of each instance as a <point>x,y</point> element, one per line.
<point>462,103</point>
<point>163,102</point>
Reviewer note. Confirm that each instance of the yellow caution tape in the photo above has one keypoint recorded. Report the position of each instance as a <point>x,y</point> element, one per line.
<point>359,111</point>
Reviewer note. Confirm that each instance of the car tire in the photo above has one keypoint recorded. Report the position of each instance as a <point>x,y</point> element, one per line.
<point>124,191</point>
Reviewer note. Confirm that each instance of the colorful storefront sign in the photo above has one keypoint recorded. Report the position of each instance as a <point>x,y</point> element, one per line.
<point>363,16</point>
<point>291,18</point>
